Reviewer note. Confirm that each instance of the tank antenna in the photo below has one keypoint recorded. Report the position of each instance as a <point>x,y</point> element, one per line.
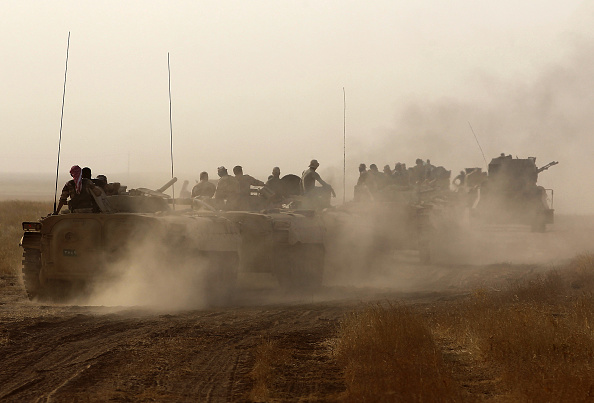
<point>61,120</point>
<point>343,146</point>
<point>479,145</point>
<point>170,128</point>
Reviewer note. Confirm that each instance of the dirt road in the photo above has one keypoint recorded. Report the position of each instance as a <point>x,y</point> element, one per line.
<point>98,353</point>
<point>67,353</point>
<point>92,353</point>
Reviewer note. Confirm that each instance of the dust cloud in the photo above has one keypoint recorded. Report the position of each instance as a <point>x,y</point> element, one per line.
<point>546,115</point>
<point>149,275</point>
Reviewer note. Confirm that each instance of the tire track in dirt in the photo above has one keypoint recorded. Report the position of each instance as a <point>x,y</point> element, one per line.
<point>190,356</point>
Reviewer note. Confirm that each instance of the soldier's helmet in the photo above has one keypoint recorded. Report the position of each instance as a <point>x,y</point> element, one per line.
<point>222,171</point>
<point>314,164</point>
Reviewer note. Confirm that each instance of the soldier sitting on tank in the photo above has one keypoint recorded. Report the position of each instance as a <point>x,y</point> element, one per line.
<point>400,175</point>
<point>204,188</point>
<point>364,185</point>
<point>388,174</point>
<point>419,172</point>
<point>227,192</point>
<point>276,185</point>
<point>79,191</point>
<point>319,196</point>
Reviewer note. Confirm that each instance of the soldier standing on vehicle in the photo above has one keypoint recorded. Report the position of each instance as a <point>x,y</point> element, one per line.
<point>79,191</point>
<point>227,191</point>
<point>245,183</point>
<point>309,178</point>
<point>204,188</point>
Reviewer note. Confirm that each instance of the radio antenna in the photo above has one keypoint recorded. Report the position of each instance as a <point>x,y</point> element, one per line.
<point>479,145</point>
<point>61,120</point>
<point>343,146</point>
<point>170,128</point>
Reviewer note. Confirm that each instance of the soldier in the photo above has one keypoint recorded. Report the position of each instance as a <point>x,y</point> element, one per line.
<point>378,177</point>
<point>79,191</point>
<point>309,178</point>
<point>204,188</point>
<point>364,185</point>
<point>275,184</point>
<point>86,173</point>
<point>245,183</point>
<point>418,172</point>
<point>227,191</point>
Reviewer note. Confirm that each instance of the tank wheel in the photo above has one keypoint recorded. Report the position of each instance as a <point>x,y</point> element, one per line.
<point>31,270</point>
<point>303,267</point>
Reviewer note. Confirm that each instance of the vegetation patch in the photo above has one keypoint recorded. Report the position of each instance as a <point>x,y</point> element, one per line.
<point>389,354</point>
<point>12,214</point>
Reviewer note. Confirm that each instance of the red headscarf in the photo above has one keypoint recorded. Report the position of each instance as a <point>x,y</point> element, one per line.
<point>76,173</point>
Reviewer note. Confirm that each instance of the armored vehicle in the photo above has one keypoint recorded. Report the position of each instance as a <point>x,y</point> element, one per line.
<point>510,194</point>
<point>283,241</point>
<point>64,253</point>
<point>398,219</point>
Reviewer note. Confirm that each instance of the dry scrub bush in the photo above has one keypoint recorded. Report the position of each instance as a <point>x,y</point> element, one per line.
<point>12,214</point>
<point>389,354</point>
<point>536,333</point>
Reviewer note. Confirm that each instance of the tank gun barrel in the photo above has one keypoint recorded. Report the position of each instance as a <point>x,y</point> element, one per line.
<point>167,185</point>
<point>547,166</point>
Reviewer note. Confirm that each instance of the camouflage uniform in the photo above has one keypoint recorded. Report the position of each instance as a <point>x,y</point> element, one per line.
<point>78,201</point>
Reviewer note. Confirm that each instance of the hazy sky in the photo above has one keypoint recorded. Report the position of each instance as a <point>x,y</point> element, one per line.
<point>260,83</point>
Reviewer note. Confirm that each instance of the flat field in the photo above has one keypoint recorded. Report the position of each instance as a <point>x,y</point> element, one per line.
<point>495,332</point>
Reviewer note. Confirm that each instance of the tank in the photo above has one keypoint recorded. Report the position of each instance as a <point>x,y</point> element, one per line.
<point>510,194</point>
<point>278,237</point>
<point>63,254</point>
<point>289,244</point>
<point>363,232</point>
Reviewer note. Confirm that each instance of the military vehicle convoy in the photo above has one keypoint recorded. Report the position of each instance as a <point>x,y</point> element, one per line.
<point>62,254</point>
<point>68,251</point>
<point>510,194</point>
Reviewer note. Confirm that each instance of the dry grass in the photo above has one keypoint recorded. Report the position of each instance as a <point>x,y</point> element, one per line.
<point>389,354</point>
<point>537,333</point>
<point>12,214</point>
<point>534,339</point>
<point>268,356</point>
